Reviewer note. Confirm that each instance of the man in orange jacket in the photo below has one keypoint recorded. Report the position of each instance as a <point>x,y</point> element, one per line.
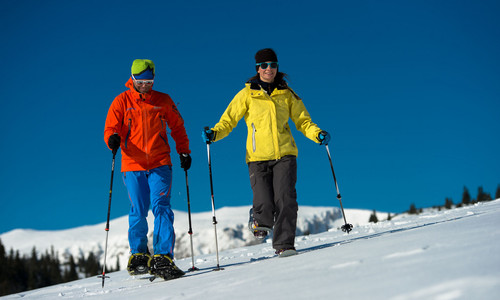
<point>137,122</point>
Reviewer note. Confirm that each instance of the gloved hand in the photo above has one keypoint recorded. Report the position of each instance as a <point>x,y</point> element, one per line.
<point>323,138</point>
<point>114,142</point>
<point>185,161</point>
<point>208,135</point>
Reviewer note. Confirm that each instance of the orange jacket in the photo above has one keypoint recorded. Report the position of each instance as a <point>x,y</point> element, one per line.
<point>141,120</point>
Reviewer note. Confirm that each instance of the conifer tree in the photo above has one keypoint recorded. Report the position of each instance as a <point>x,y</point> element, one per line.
<point>19,278</point>
<point>33,270</point>
<point>497,194</point>
<point>413,209</point>
<point>54,267</point>
<point>482,196</point>
<point>466,197</point>
<point>448,203</point>
<point>117,263</point>
<point>70,274</point>
<point>3,270</point>
<point>373,217</point>
<point>89,266</point>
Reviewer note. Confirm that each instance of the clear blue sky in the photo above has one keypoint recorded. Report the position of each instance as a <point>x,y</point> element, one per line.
<point>410,91</point>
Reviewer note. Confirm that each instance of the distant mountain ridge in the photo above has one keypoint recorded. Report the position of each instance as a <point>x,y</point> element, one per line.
<point>232,232</point>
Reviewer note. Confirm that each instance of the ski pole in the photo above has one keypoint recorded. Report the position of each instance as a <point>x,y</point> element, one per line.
<point>346,227</point>
<point>190,231</point>
<point>214,220</point>
<point>103,276</point>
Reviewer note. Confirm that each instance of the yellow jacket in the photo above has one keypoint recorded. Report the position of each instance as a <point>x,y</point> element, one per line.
<point>269,136</point>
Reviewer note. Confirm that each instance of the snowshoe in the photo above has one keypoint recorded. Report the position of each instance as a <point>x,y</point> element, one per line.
<point>138,264</point>
<point>260,232</point>
<point>286,252</point>
<point>162,266</point>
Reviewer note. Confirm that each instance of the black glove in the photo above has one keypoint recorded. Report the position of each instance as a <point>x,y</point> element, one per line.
<point>185,161</point>
<point>114,142</point>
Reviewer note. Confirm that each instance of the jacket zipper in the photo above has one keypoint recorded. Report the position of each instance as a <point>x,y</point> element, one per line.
<point>146,141</point>
<point>253,137</point>
<point>277,150</point>
<point>128,132</point>
<point>164,129</point>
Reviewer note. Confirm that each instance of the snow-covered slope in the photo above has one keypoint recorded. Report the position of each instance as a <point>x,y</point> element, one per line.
<point>232,232</point>
<point>450,254</point>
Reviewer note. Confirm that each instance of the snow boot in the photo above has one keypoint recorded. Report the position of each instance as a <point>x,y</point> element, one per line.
<point>260,232</point>
<point>286,252</point>
<point>163,266</point>
<point>138,263</point>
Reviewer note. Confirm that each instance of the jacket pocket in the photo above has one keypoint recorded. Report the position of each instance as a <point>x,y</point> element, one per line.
<point>163,123</point>
<point>164,139</point>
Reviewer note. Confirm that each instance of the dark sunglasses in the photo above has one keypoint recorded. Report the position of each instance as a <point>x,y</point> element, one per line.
<point>264,65</point>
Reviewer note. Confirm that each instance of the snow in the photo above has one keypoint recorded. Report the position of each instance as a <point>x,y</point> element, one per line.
<point>448,254</point>
<point>231,231</point>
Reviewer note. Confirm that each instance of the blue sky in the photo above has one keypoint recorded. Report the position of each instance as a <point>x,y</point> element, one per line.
<point>409,91</point>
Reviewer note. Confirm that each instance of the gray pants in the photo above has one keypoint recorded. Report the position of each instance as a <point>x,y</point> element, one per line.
<point>275,198</point>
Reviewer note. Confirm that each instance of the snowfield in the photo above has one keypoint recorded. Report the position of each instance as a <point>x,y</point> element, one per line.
<point>448,254</point>
<point>232,232</point>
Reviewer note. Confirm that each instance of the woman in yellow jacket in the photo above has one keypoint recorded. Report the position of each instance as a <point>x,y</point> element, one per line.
<point>267,103</point>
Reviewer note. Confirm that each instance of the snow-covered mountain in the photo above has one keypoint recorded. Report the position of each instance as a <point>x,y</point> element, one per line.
<point>447,255</point>
<point>232,232</point>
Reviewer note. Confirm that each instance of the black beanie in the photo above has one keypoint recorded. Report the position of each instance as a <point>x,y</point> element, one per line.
<point>264,55</point>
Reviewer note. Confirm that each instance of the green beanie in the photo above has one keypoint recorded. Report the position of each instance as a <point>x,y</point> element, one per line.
<point>139,66</point>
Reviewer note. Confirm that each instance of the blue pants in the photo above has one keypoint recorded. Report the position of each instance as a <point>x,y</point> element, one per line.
<point>145,189</point>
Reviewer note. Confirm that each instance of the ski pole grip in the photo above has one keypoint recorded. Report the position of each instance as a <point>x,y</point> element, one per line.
<point>207,128</point>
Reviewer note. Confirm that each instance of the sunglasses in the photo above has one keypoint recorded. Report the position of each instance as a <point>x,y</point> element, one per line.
<point>265,65</point>
<point>141,81</point>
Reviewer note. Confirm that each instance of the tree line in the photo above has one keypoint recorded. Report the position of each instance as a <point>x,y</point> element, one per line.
<point>448,203</point>
<point>21,273</point>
